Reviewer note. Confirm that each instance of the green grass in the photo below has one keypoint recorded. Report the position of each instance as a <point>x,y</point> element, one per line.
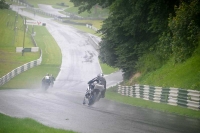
<point>107,69</point>
<point>113,95</point>
<point>26,125</point>
<point>95,12</point>
<point>185,75</point>
<point>50,64</point>
<point>9,20</point>
<point>10,39</point>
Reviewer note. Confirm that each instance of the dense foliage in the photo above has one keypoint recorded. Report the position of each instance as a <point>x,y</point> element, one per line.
<point>140,30</point>
<point>185,28</point>
<point>3,5</point>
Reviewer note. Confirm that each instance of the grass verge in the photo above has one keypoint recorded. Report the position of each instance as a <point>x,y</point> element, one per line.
<point>16,125</point>
<point>12,38</point>
<point>96,12</point>
<point>50,64</point>
<point>184,75</point>
<point>107,69</point>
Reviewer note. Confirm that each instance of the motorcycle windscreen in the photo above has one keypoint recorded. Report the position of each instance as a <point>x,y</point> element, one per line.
<point>99,87</point>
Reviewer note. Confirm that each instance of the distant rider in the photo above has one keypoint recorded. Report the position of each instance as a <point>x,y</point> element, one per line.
<point>46,79</point>
<point>52,79</point>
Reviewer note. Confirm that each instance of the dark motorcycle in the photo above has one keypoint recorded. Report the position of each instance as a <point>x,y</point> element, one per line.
<point>93,93</point>
<point>45,83</point>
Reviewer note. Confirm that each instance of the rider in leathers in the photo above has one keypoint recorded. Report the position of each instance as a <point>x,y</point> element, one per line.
<point>101,80</point>
<point>46,80</point>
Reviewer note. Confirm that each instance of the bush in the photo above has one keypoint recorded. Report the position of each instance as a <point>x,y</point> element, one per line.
<point>185,30</point>
<point>164,46</point>
<point>149,62</point>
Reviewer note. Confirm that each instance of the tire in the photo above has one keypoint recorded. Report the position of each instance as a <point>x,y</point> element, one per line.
<point>92,98</point>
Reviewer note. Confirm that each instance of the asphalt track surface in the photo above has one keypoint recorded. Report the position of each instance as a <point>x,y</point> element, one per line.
<point>61,106</point>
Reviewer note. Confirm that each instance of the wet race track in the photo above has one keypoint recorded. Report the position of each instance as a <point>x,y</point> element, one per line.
<point>61,106</point>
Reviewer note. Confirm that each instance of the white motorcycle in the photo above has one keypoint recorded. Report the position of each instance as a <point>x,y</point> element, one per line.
<point>93,93</point>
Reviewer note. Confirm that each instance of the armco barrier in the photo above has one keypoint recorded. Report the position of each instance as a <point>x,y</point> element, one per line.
<point>172,96</point>
<point>19,70</point>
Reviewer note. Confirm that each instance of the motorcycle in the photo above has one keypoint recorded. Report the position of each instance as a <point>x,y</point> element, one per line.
<point>93,93</point>
<point>45,84</point>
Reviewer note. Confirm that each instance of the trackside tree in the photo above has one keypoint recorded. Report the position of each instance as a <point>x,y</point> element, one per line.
<point>3,5</point>
<point>140,30</point>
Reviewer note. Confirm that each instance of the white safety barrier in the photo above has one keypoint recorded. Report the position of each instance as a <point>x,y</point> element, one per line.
<point>171,96</point>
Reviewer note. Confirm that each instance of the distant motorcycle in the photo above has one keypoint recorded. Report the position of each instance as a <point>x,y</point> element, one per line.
<point>93,93</point>
<point>45,84</point>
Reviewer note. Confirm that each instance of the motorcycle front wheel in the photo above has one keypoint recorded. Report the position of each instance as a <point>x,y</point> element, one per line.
<point>92,98</point>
